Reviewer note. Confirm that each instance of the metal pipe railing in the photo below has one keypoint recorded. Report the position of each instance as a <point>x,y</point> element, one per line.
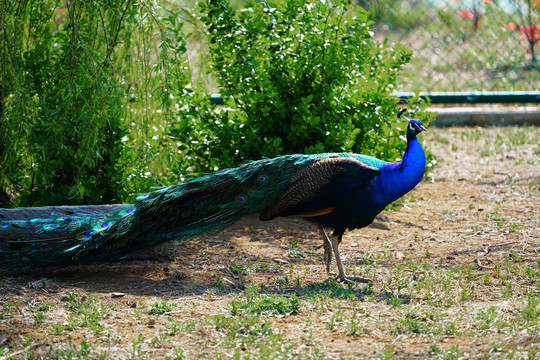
<point>483,97</point>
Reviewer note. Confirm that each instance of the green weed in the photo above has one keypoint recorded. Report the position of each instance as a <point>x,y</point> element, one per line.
<point>256,303</point>
<point>86,310</point>
<point>160,308</point>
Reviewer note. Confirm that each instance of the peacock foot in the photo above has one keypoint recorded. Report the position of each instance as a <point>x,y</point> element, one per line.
<point>355,279</point>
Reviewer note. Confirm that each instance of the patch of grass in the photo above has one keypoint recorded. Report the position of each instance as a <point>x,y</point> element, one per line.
<point>236,269</point>
<point>39,311</point>
<point>285,280</point>
<point>238,330</point>
<point>162,307</point>
<point>348,322</point>
<point>83,351</point>
<point>426,320</point>
<point>388,354</point>
<point>85,311</point>
<point>293,250</point>
<point>177,354</point>
<point>395,301</point>
<point>272,304</point>
<point>496,217</point>
<point>330,288</point>
<point>452,353</point>
<point>477,229</point>
<point>531,312</point>
<point>417,325</point>
<point>172,327</point>
<point>512,226</point>
<point>490,320</point>
<point>217,283</point>
<point>135,348</point>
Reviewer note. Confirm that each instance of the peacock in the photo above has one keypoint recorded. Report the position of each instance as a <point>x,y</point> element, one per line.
<point>337,191</point>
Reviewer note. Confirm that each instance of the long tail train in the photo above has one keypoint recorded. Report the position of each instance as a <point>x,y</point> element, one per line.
<point>64,236</point>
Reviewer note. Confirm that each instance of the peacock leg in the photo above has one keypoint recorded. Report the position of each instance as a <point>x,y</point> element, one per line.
<point>335,246</point>
<point>327,249</point>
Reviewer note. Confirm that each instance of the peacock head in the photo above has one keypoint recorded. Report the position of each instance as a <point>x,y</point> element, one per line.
<point>415,127</point>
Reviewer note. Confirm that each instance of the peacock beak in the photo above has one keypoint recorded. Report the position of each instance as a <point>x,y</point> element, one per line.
<point>422,128</point>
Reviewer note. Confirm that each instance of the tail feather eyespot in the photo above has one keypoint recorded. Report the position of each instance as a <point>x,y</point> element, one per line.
<point>241,199</point>
<point>142,197</point>
<point>126,212</point>
<point>102,226</point>
<point>84,235</point>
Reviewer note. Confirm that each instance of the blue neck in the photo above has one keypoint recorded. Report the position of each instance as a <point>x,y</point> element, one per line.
<point>397,179</point>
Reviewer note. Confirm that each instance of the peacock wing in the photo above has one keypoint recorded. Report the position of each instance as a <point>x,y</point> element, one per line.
<point>313,186</point>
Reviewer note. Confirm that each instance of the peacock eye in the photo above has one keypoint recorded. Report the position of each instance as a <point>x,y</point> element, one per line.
<point>84,235</point>
<point>102,226</point>
<point>142,197</point>
<point>126,212</point>
<point>49,226</point>
<point>262,179</point>
<point>240,199</point>
<point>4,225</point>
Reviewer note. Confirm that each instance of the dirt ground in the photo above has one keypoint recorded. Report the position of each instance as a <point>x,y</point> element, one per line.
<point>455,275</point>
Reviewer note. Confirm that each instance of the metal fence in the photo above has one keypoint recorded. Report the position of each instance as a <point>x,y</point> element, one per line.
<point>467,45</point>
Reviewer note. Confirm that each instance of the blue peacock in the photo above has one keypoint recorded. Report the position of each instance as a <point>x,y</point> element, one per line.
<point>337,191</point>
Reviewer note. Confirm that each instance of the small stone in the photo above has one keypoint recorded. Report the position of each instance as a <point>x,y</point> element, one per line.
<point>64,296</point>
<point>39,284</point>
<point>280,261</point>
<point>117,295</point>
<point>151,323</point>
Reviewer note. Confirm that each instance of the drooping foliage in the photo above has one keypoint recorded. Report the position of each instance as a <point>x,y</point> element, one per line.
<point>77,113</point>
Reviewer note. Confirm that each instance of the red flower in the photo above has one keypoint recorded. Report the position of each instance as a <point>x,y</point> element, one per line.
<point>530,33</point>
<point>511,26</point>
<point>466,14</point>
<point>473,16</point>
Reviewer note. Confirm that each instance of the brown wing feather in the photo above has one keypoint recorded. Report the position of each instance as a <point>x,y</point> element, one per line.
<point>312,178</point>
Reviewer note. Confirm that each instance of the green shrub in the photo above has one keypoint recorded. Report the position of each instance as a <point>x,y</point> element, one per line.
<point>300,77</point>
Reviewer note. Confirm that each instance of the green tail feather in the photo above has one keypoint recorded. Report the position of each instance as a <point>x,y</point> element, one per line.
<point>180,212</point>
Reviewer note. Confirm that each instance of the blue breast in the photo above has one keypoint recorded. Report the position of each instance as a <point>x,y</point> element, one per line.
<point>397,179</point>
